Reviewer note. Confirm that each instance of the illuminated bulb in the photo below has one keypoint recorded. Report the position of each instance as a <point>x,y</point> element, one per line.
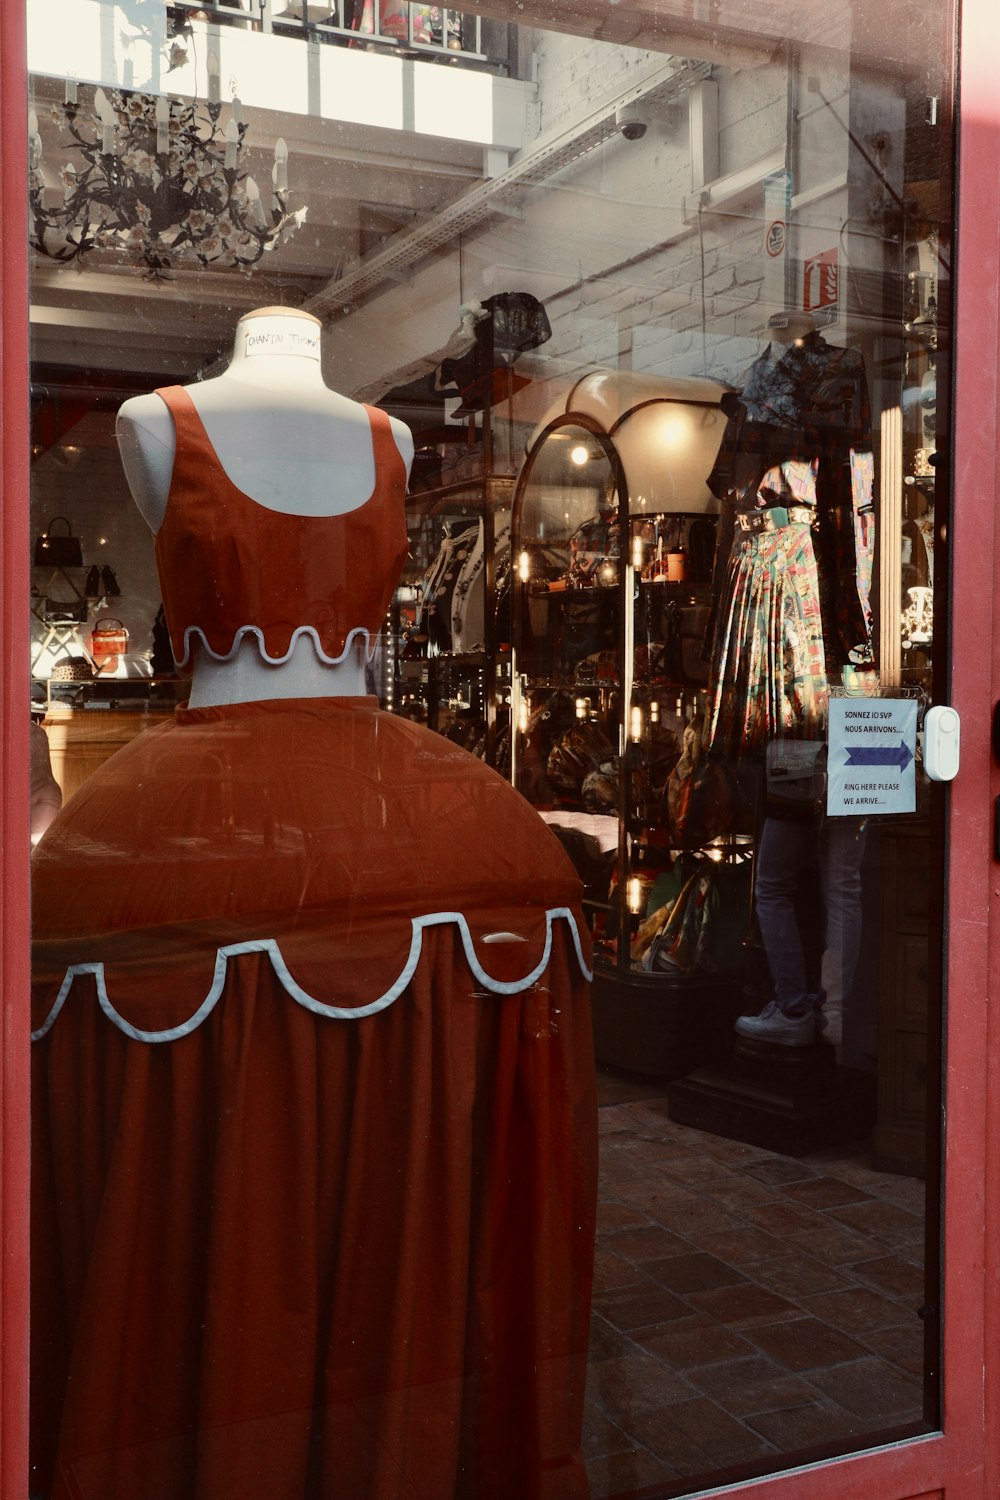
<point>637,552</point>
<point>579,455</point>
<point>654,712</point>
<point>635,895</point>
<point>636,722</point>
<point>522,717</point>
<point>582,708</point>
<point>523,567</point>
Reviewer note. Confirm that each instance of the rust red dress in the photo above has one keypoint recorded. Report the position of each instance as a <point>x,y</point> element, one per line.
<point>314,1116</point>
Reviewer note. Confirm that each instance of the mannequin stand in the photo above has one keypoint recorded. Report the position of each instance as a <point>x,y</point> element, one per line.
<point>793,1100</point>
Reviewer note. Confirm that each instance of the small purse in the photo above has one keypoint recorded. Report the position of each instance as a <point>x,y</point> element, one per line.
<point>58,549</point>
<point>73,669</point>
<point>108,643</point>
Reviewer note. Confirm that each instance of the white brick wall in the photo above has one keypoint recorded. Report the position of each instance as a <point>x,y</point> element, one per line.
<point>605,245</point>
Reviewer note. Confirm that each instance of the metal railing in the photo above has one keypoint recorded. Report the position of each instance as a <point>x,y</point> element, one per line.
<point>436,32</point>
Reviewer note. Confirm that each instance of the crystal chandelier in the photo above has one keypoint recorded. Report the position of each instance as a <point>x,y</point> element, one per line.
<point>159,180</point>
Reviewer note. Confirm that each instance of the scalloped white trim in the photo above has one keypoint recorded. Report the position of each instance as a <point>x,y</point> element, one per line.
<point>300,996</point>
<point>360,631</point>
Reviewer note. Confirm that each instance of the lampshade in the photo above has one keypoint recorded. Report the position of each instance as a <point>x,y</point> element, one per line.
<point>666,431</point>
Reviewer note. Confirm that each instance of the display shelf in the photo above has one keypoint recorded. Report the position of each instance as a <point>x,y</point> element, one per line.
<point>458,543</point>
<point>611,606</point>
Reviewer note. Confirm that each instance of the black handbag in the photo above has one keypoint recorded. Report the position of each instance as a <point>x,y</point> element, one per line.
<point>58,611</point>
<point>58,549</point>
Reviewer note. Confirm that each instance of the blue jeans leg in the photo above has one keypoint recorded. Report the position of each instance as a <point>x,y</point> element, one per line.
<point>786,849</point>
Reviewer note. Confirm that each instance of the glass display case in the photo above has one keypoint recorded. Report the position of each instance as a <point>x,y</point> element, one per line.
<point>613,538</point>
<point>450,663</point>
<point>450,656</point>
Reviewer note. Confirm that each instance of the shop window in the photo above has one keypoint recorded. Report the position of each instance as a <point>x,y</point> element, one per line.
<point>487,698</point>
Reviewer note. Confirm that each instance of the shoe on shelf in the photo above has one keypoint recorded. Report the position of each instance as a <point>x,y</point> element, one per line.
<point>796,1028</point>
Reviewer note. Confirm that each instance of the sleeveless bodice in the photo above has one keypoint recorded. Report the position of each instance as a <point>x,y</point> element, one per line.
<point>230,567</point>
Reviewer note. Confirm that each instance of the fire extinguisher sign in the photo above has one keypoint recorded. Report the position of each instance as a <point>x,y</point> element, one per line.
<point>821,281</point>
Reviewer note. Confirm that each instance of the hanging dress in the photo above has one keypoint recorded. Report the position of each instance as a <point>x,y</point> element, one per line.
<point>795,543</point>
<point>314,1158</point>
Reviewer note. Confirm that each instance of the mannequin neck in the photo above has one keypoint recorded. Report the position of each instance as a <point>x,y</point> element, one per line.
<point>276,348</point>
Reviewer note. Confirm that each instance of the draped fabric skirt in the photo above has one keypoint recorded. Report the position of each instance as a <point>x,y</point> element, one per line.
<point>769,669</point>
<point>305,1240</point>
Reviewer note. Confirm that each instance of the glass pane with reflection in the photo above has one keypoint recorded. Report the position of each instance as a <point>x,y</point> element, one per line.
<point>485,697</point>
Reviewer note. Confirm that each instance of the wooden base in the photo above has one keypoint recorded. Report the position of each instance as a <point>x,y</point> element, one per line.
<point>793,1100</point>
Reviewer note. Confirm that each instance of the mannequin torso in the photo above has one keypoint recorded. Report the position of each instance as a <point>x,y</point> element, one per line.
<point>287,442</point>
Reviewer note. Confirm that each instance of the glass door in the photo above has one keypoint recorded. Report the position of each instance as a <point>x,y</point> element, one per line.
<point>731,540</point>
<point>729,605</point>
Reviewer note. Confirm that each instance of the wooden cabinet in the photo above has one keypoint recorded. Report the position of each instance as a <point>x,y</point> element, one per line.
<point>82,739</point>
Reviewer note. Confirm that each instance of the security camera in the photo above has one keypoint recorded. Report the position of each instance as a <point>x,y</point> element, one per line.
<point>630,122</point>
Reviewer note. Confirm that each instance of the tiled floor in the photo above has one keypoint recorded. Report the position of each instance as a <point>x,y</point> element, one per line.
<point>746,1305</point>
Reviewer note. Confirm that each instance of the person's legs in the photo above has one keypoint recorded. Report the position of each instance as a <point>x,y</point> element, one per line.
<point>787,848</point>
<point>842,847</point>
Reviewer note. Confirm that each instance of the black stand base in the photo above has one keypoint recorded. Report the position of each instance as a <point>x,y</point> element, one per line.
<point>662,1025</point>
<point>793,1100</point>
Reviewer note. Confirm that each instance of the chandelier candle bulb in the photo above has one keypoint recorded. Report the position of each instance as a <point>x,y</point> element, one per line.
<point>213,77</point>
<point>253,198</point>
<point>163,126</point>
<point>108,120</point>
<point>70,94</point>
<point>232,145</point>
<point>635,895</point>
<point>237,108</point>
<point>523,567</point>
<point>280,166</point>
<point>636,724</point>
<point>637,552</point>
<point>34,142</point>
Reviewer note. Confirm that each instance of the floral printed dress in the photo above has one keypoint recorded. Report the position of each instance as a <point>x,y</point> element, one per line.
<point>794,547</point>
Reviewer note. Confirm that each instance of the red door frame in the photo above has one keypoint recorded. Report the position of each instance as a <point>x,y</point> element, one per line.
<point>964,1461</point>
<point>14,692</point>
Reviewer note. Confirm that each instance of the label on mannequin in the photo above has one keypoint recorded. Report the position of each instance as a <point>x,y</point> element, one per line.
<point>282,341</point>
<point>871,762</point>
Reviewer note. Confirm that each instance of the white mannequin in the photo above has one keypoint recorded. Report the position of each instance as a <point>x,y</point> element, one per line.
<point>289,443</point>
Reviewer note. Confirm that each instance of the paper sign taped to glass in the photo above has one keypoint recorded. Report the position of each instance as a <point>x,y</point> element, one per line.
<point>871,766</point>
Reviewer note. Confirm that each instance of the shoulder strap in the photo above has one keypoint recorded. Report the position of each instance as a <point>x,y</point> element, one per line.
<point>390,470</point>
<point>182,409</point>
<point>194,455</point>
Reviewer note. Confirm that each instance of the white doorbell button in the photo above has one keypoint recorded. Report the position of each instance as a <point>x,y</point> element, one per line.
<point>942,740</point>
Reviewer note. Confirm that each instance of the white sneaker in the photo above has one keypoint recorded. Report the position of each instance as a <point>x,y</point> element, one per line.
<point>776,1025</point>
